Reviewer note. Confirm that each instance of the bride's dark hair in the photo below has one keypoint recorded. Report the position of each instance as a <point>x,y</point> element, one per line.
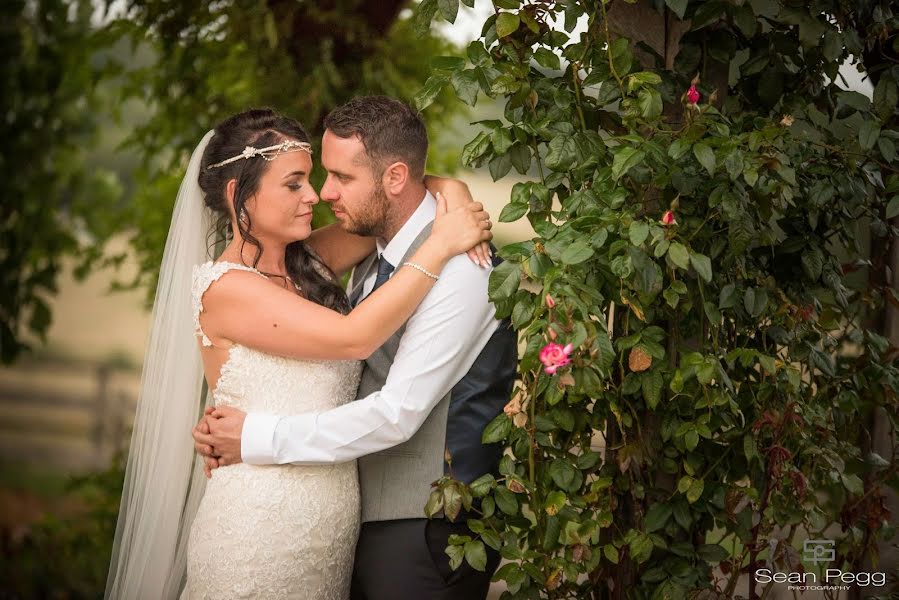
<point>261,128</point>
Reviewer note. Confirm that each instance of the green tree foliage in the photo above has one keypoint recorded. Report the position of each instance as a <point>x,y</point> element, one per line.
<point>182,67</point>
<point>54,203</point>
<point>728,361</point>
<point>212,60</point>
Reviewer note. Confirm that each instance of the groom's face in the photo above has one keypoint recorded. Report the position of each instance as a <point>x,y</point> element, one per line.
<point>355,194</point>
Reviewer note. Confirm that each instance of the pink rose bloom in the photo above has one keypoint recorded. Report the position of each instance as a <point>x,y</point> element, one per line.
<point>550,302</point>
<point>668,218</point>
<point>693,95</point>
<point>554,357</point>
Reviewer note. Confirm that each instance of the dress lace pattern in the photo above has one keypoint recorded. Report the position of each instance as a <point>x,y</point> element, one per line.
<point>280,531</point>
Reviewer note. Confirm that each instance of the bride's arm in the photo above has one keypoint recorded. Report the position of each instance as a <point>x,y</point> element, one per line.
<point>339,249</point>
<point>244,308</point>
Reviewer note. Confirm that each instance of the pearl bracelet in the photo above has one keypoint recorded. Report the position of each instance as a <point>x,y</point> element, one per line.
<point>421,268</point>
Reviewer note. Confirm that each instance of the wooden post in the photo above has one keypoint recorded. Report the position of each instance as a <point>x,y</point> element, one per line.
<point>100,414</point>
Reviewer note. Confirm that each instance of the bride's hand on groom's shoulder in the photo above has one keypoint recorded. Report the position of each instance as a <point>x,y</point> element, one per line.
<point>462,228</point>
<point>217,437</point>
<point>458,195</point>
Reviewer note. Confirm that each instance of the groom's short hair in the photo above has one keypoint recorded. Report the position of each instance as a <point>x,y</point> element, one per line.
<point>389,129</point>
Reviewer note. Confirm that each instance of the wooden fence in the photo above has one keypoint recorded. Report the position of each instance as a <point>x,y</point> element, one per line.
<point>73,416</point>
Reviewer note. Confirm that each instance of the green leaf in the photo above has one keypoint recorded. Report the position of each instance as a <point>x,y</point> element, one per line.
<point>504,280</point>
<point>576,253</point>
<point>435,503</point>
<point>561,153</point>
<point>497,430</point>
<point>452,500</point>
<point>588,460</point>
<point>868,134</point>
<point>565,475</point>
<point>551,533</point>
<point>429,91</point>
<point>476,555</point>
<point>755,300</point>
<point>641,548</point>
<point>886,97</point>
<point>853,484</point>
<point>625,158</point>
<point>621,54</point>
<point>691,439</point>
<point>712,553</point>
<point>447,63</point>
<point>679,255</point>
<point>506,501</point>
<point>656,517</point>
<point>702,264</point>
<point>506,23</point>
<point>672,298</point>
<point>887,148</point>
<point>678,7</point>
<point>555,502</point>
<point>652,384</point>
<point>521,158</point>
<point>695,491</point>
<point>611,553</point>
<point>812,262</point>
<point>512,212</point>
<point>424,15</point>
<point>638,232</point>
<point>650,103</point>
<point>501,139</point>
<point>893,207</point>
<point>448,9</point>
<point>705,156</point>
<point>465,84</point>
<point>547,58</point>
<point>481,486</point>
<point>475,148</point>
<point>733,162</point>
<point>499,166</point>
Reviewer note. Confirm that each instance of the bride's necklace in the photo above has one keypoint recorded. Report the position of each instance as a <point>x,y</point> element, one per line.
<point>287,280</point>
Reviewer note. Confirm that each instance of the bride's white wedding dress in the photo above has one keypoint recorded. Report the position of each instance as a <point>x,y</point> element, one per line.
<point>274,531</point>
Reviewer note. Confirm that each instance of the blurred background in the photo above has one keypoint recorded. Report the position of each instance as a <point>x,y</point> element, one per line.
<point>104,102</point>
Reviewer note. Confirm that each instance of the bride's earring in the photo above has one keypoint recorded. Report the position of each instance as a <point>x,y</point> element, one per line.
<point>243,216</point>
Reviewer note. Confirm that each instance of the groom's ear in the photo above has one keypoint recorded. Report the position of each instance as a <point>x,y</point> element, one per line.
<point>396,177</point>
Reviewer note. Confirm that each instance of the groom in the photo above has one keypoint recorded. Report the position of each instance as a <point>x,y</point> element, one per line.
<point>425,395</point>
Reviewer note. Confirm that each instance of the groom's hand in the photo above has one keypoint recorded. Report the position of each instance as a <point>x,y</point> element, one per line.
<point>222,442</point>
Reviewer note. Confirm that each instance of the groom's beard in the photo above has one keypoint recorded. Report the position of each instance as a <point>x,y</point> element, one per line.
<point>372,216</point>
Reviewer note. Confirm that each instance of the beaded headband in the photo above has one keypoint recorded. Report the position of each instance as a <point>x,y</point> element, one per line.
<point>269,153</point>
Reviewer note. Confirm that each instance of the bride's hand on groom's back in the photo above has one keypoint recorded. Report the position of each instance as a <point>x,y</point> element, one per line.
<point>205,450</point>
<point>217,437</point>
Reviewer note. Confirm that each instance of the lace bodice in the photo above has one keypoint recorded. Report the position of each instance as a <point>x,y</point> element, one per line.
<point>274,531</point>
<point>255,381</point>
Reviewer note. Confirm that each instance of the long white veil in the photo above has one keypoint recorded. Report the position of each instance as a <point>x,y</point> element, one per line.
<point>163,480</point>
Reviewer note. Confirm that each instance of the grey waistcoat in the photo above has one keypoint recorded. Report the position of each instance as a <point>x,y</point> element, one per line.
<point>396,482</point>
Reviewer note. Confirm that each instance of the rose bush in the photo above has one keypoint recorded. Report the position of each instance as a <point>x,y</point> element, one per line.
<point>728,365</point>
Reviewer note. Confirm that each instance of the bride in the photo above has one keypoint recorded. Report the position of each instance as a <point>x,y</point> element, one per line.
<point>275,335</point>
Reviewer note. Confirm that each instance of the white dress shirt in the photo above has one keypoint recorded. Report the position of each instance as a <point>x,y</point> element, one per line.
<point>442,340</point>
